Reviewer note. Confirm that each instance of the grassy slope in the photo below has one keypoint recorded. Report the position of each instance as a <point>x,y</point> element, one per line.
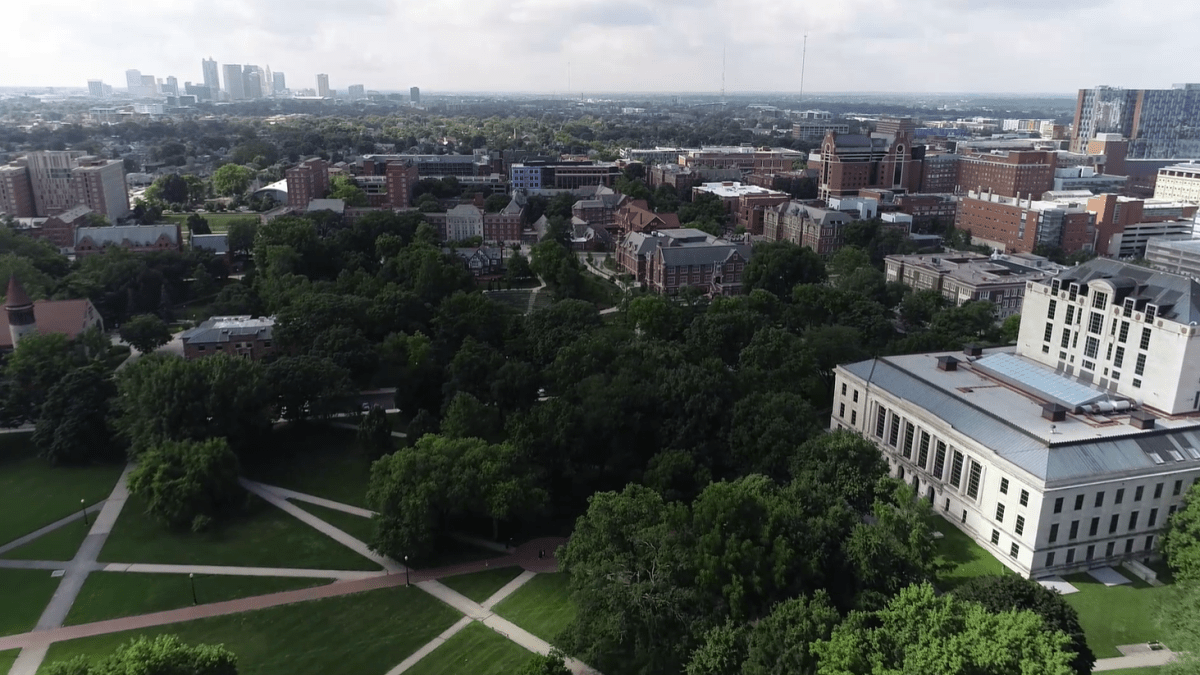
<point>480,586</point>
<point>477,650</point>
<point>542,606</point>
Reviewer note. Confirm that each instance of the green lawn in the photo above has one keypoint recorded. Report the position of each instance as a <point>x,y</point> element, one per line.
<point>516,299</point>
<point>358,527</point>
<point>317,460</point>
<point>477,650</point>
<point>60,544</point>
<point>34,494</point>
<point>263,537</point>
<point>965,559</point>
<point>366,633</point>
<point>480,586</point>
<point>1117,615</point>
<point>110,595</point>
<point>25,594</point>
<point>542,606</point>
<point>7,658</point>
<point>218,222</point>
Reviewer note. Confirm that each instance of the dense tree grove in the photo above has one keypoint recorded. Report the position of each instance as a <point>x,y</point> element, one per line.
<point>162,655</point>
<point>188,484</point>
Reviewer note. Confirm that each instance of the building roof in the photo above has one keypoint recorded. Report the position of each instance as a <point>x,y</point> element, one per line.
<point>221,329</point>
<point>511,209</point>
<point>1008,421</point>
<point>65,317</point>
<point>1163,289</point>
<point>136,235</point>
<point>16,297</point>
<point>217,243</point>
<point>702,255</point>
<point>335,205</point>
<point>730,189</point>
<point>71,215</point>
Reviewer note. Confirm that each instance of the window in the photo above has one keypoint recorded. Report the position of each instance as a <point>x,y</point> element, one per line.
<point>1158,491</point>
<point>1095,323</point>
<point>1053,308</point>
<point>1049,332</point>
<point>1112,524</point>
<point>1120,359</point>
<point>1091,348</point>
<point>1099,499</point>
<point>956,469</point>
<point>1078,502</point>
<point>853,417</point>
<point>1014,550</point>
<point>1151,311</point>
<point>1150,543</point>
<point>973,483</point>
<point>900,472</point>
<point>201,348</point>
<point>909,432</point>
<point>1177,489</point>
<point>1129,546</point>
<point>1054,533</point>
<point>1091,552</point>
<point>939,460</point>
<point>1137,384</point>
<point>1050,559</point>
<point>1070,315</point>
<point>1074,530</point>
<point>1070,555</point>
<point>1120,496</point>
<point>1171,511</point>
<point>995,536</point>
<point>1058,505</point>
<point>843,389</point>
<point>1099,300</point>
<point>923,451</point>
<point>1145,343</point>
<point>999,513</point>
<point>1024,497</point>
<point>1153,518</point>
<point>894,434</point>
<point>1108,550</point>
<point>856,396</point>
<point>880,421</point>
<point>1094,527</point>
<point>964,516</point>
<point>1133,520</point>
<point>1003,486</point>
<point>1066,338</point>
<point>1124,334</point>
<point>1138,492</point>
<point>1020,528</point>
<point>1140,368</point>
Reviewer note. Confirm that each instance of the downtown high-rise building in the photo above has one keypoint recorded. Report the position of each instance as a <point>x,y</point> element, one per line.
<point>355,92</point>
<point>211,79</point>
<point>252,82</point>
<point>232,74</point>
<point>133,82</point>
<point>1159,123</point>
<point>96,88</point>
<point>323,86</point>
<point>171,86</point>
<point>414,95</point>
<point>279,84</point>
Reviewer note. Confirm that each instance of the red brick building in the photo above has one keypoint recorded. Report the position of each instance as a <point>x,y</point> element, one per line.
<point>852,162</point>
<point>307,181</point>
<point>402,178</point>
<point>505,225</point>
<point>817,228</point>
<point>636,216</point>
<point>246,336</point>
<point>1019,225</point>
<point>135,238</point>
<point>682,258</point>
<point>60,230</point>
<point>1011,173</point>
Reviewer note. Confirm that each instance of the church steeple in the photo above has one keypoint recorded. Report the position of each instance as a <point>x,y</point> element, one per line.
<point>19,307</point>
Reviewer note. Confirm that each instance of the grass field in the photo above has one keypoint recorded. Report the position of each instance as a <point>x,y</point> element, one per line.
<point>542,606</point>
<point>60,544</point>
<point>358,527</point>
<point>263,537</point>
<point>365,633</point>
<point>477,650</point>
<point>24,596</point>
<point>1117,615</point>
<point>516,299</point>
<point>965,559</point>
<point>317,460</point>
<point>110,595</point>
<point>218,222</point>
<point>480,586</point>
<point>7,657</point>
<point>34,494</point>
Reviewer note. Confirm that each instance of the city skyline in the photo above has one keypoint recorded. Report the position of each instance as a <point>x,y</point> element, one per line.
<point>618,45</point>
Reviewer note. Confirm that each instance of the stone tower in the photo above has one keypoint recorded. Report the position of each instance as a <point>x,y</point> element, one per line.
<point>19,308</point>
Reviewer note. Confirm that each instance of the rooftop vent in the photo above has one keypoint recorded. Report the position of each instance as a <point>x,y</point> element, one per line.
<point>1140,419</point>
<point>973,349</point>
<point>1054,412</point>
<point>947,363</point>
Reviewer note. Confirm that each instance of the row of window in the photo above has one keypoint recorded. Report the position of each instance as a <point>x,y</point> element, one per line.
<point>1109,550</point>
<point>919,447</point>
<point>1119,497</point>
<point>1114,523</point>
<point>1013,550</point>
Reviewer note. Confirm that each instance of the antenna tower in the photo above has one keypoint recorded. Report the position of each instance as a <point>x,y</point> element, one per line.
<point>803,58</point>
<point>722,74</point>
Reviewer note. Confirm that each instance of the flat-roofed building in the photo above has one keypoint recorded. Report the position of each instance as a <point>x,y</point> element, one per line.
<point>967,277</point>
<point>1179,182</point>
<point>1020,225</point>
<point>1177,257</point>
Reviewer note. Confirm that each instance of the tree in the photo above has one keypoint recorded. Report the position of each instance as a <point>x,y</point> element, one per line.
<point>197,224</point>
<point>467,417</point>
<point>892,549</point>
<point>766,429</point>
<point>781,643</point>
<point>550,664</point>
<point>778,266</point>
<point>306,386</point>
<point>172,189</point>
<point>345,189</point>
<point>1010,329</point>
<point>1009,592</point>
<point>722,653</point>
<point>73,427</point>
<point>240,235</point>
<point>496,203</point>
<point>232,179</point>
<point>162,655</point>
<point>375,434</point>
<point>37,364</point>
<point>1181,541</point>
<point>518,268</point>
<point>145,333</point>
<point>188,484</point>
<point>919,632</point>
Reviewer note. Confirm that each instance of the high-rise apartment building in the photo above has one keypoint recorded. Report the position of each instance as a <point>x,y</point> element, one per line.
<point>95,88</point>
<point>1008,173</point>
<point>307,181</point>
<point>279,84</point>
<point>414,95</point>
<point>16,193</point>
<point>211,78</point>
<point>49,183</point>
<point>133,82</point>
<point>356,92</point>
<point>323,86</point>
<point>232,74</point>
<point>1159,123</point>
<point>171,86</point>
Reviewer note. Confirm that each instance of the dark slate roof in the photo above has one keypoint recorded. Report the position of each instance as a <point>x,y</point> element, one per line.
<point>16,297</point>
<point>217,243</point>
<point>1158,288</point>
<point>222,329</point>
<point>702,255</point>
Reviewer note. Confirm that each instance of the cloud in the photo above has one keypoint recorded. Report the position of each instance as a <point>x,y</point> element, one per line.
<point>611,45</point>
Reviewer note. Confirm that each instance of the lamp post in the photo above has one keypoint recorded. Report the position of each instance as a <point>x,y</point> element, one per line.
<point>192,579</point>
<point>406,579</point>
<point>83,508</point>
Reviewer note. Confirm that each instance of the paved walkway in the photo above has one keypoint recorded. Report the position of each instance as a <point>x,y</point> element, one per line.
<point>319,501</point>
<point>430,646</point>
<point>533,296</point>
<point>1142,660</point>
<point>507,589</point>
<point>78,515</point>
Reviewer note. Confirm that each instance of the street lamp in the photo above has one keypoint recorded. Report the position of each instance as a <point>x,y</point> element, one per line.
<point>83,507</point>
<point>406,579</point>
<point>192,579</point>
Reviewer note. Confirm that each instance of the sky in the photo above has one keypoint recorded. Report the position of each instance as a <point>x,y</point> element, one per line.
<point>1011,46</point>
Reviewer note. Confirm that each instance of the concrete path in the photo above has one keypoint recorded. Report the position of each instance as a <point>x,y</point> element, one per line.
<point>62,522</point>
<point>230,570</point>
<point>430,646</point>
<point>1143,660</point>
<point>508,589</point>
<point>323,527</point>
<point>480,542</point>
<point>319,501</point>
<point>75,573</point>
<point>533,296</point>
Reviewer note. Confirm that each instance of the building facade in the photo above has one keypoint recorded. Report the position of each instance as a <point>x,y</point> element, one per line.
<point>1176,257</point>
<point>1020,225</point>
<point>1179,182</point>
<point>853,162</point>
<point>1008,173</point>
<point>244,336</point>
<point>1158,123</point>
<point>48,183</point>
<point>307,181</point>
<point>135,238</point>
<point>818,229</point>
<point>669,261</point>
<point>968,277</point>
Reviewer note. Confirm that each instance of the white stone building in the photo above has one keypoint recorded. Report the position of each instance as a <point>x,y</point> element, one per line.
<point>1070,451</point>
<point>1179,181</point>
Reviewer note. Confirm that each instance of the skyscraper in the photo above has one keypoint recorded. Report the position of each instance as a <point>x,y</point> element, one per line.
<point>95,88</point>
<point>172,86</point>
<point>323,85</point>
<point>268,82</point>
<point>414,95</point>
<point>280,85</point>
<point>1159,123</point>
<point>133,82</point>
<point>149,86</point>
<point>211,79</point>
<point>232,74</point>
<point>355,92</point>
<point>252,84</point>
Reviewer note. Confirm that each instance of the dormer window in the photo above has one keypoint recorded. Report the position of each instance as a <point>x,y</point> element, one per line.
<point>1130,304</point>
<point>1151,310</point>
<point>1099,300</point>
<point>1074,292</point>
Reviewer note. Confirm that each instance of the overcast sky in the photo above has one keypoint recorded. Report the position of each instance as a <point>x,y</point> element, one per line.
<point>1044,46</point>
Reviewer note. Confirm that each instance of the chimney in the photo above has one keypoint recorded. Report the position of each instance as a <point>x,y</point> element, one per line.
<point>947,363</point>
<point>1054,412</point>
<point>972,349</point>
<point>1140,419</point>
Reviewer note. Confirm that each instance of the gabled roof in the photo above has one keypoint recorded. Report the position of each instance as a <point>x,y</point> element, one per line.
<point>511,209</point>
<point>136,235</point>
<point>65,317</point>
<point>217,243</point>
<point>702,255</point>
